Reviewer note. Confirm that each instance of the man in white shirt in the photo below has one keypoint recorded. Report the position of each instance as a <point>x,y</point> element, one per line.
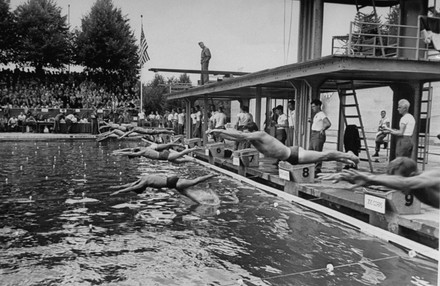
<point>151,119</point>
<point>281,125</point>
<point>193,121</point>
<point>320,124</point>
<point>71,119</point>
<point>180,121</point>
<point>219,122</point>
<point>404,145</point>
<point>291,117</point>
<point>198,128</point>
<point>141,117</point>
<point>170,118</point>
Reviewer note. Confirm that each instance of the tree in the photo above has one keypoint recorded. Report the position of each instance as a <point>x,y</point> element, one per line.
<point>106,42</point>
<point>392,19</point>
<point>43,35</point>
<point>154,98</point>
<point>7,33</point>
<point>184,78</point>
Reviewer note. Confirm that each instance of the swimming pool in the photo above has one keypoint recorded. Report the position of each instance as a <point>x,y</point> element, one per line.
<point>53,232</point>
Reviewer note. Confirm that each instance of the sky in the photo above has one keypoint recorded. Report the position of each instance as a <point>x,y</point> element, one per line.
<point>242,35</point>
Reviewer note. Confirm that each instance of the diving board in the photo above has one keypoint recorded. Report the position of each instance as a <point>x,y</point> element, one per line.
<point>225,73</point>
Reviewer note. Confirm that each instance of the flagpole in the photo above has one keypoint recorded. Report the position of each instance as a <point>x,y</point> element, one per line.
<point>140,77</point>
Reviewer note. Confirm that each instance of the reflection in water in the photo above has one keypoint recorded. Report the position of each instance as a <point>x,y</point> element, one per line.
<point>58,226</point>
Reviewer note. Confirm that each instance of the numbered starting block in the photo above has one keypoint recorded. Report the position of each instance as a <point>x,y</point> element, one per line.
<point>246,157</point>
<point>193,142</point>
<point>215,150</point>
<point>391,200</point>
<point>304,173</point>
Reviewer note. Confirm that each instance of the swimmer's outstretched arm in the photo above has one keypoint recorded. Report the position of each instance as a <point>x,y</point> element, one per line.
<point>126,134</point>
<point>125,185</point>
<point>230,134</point>
<point>133,152</point>
<point>137,187</point>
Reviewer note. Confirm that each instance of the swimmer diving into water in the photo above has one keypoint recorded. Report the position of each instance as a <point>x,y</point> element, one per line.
<point>201,196</point>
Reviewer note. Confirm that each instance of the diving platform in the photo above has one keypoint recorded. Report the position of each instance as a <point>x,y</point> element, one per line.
<point>211,72</point>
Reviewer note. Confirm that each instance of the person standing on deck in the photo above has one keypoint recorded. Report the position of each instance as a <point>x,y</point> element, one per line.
<point>380,136</point>
<point>204,61</point>
<point>281,125</point>
<point>291,118</point>
<point>243,118</point>
<point>193,121</point>
<point>181,121</point>
<point>404,145</point>
<point>219,122</point>
<point>320,124</point>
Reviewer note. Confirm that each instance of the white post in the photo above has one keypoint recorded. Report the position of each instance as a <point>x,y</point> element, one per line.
<point>140,79</point>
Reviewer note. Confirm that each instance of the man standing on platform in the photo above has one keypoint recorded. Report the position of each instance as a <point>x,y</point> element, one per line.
<point>205,57</point>
<point>404,145</point>
<point>320,124</point>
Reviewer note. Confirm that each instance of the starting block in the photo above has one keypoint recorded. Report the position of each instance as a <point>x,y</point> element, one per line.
<point>193,142</point>
<point>165,138</point>
<point>391,200</point>
<point>215,150</point>
<point>247,157</point>
<point>304,173</point>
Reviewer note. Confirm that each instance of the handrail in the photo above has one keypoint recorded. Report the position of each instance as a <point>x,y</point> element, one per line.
<point>358,43</point>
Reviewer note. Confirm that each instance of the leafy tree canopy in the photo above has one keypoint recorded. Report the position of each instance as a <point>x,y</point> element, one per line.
<point>43,34</point>
<point>106,41</point>
<point>7,33</point>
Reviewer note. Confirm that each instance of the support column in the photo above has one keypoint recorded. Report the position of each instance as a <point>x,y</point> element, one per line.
<point>318,20</point>
<point>205,120</point>
<point>188,120</point>
<point>310,29</point>
<point>409,13</point>
<point>411,91</point>
<point>257,117</point>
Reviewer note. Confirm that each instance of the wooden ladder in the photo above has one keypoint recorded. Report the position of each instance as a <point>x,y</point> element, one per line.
<point>425,118</point>
<point>349,107</point>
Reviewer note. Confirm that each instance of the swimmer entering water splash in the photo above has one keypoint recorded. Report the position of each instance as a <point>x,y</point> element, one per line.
<point>201,196</point>
<point>158,152</point>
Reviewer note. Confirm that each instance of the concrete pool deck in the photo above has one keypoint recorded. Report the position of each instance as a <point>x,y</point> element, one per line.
<point>421,227</point>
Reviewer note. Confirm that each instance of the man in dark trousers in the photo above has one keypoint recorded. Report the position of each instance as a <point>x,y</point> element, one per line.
<point>205,57</point>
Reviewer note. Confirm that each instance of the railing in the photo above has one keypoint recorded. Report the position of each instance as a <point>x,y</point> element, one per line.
<point>375,44</point>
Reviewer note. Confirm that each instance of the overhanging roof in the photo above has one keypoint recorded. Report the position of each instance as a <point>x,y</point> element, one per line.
<point>277,82</point>
<point>378,3</point>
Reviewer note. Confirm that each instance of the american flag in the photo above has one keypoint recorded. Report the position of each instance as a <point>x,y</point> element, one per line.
<point>143,54</point>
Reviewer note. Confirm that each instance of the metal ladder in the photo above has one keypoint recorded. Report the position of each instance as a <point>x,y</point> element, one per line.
<point>346,90</point>
<point>425,119</point>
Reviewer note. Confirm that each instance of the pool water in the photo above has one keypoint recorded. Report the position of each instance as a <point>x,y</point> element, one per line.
<point>58,226</point>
